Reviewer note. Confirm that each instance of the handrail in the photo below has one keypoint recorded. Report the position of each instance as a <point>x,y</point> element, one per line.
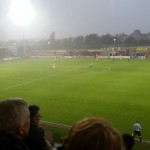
<point>55,125</point>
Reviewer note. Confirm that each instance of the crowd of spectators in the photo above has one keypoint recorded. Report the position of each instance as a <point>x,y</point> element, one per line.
<point>20,130</point>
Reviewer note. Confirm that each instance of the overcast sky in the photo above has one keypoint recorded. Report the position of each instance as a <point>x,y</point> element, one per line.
<point>70,18</point>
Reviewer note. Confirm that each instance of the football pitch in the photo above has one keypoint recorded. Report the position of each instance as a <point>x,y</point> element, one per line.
<point>118,91</point>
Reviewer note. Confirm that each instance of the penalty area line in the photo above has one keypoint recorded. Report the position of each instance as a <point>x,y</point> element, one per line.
<point>22,84</point>
<point>32,81</point>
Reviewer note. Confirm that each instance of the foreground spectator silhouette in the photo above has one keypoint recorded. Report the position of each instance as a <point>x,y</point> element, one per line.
<point>14,124</point>
<point>128,141</point>
<point>93,134</point>
<point>36,139</point>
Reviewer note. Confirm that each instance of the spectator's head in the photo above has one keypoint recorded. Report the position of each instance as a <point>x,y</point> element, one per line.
<point>14,117</point>
<point>93,134</point>
<point>34,114</point>
<point>128,141</point>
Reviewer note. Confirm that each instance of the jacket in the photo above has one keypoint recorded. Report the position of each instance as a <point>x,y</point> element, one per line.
<point>10,142</point>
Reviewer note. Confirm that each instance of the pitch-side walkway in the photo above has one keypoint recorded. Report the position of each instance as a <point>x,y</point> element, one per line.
<point>143,143</point>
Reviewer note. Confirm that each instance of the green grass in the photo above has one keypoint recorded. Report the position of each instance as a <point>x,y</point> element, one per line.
<point>117,91</point>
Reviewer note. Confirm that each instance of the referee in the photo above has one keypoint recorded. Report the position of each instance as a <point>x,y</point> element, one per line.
<point>137,130</point>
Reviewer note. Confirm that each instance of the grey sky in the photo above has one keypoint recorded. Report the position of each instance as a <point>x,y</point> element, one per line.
<point>69,18</point>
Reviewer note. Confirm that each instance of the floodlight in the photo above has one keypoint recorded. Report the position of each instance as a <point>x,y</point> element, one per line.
<point>21,12</point>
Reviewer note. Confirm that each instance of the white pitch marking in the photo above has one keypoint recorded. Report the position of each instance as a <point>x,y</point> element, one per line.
<point>25,83</point>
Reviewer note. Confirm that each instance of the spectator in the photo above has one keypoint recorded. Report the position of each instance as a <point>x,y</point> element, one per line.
<point>137,130</point>
<point>93,134</point>
<point>36,139</point>
<point>128,141</point>
<point>14,124</point>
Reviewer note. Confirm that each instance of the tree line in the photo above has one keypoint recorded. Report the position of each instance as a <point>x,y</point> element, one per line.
<point>94,41</point>
<point>91,41</point>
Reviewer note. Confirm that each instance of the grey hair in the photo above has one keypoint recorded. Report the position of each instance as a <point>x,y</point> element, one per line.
<point>13,114</point>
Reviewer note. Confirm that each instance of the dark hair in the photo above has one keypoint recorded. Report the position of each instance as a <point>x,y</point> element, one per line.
<point>128,141</point>
<point>34,109</point>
